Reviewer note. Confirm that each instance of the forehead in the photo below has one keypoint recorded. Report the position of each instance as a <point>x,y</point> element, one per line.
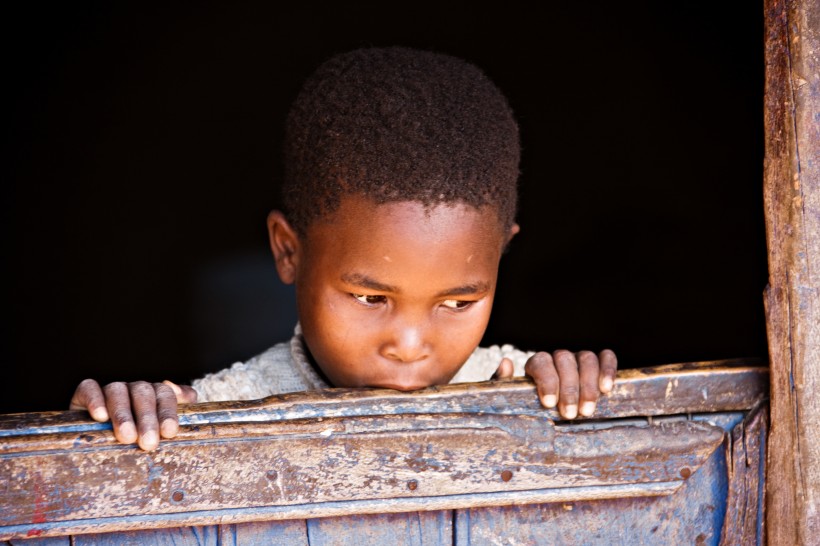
<point>406,232</point>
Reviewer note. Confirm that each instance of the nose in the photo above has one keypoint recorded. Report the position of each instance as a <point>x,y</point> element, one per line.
<point>406,342</point>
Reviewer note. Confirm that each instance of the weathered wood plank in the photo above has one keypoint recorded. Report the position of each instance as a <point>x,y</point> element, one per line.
<point>337,459</point>
<point>321,510</point>
<point>273,533</point>
<point>180,536</point>
<point>45,541</point>
<point>693,515</point>
<point>72,477</point>
<point>413,529</point>
<point>723,385</point>
<point>744,523</point>
<point>792,203</point>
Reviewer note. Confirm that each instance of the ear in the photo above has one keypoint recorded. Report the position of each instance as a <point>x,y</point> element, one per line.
<point>514,229</point>
<point>284,243</point>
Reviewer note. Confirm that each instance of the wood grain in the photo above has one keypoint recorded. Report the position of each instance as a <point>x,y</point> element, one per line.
<point>692,387</point>
<point>351,459</point>
<point>744,522</point>
<point>344,452</point>
<point>692,516</point>
<point>792,203</point>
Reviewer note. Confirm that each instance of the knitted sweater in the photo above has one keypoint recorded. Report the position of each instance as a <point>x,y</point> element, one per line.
<point>285,368</point>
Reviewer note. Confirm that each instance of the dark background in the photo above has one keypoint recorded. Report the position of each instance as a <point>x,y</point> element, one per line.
<point>142,158</point>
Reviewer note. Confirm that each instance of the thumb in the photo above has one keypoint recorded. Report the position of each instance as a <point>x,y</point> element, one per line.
<point>505,369</point>
<point>185,394</point>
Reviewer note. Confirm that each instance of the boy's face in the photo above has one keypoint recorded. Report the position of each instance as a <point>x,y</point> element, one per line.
<point>392,295</point>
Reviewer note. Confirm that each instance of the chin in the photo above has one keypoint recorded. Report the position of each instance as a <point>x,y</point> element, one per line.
<point>404,387</point>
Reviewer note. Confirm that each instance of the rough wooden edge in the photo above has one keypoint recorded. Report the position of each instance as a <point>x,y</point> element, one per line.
<point>664,390</point>
<point>315,510</point>
<point>744,522</point>
<point>792,203</point>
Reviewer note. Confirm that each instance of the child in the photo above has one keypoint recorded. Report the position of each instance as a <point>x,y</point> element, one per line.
<point>400,193</point>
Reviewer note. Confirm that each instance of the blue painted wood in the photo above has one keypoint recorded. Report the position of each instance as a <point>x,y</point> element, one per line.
<point>403,529</point>
<point>273,533</point>
<point>46,541</point>
<point>694,515</point>
<point>177,536</point>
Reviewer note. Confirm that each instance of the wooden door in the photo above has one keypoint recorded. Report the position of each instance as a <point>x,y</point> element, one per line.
<point>674,456</point>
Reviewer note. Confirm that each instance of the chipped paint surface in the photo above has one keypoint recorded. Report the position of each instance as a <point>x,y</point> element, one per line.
<point>367,452</point>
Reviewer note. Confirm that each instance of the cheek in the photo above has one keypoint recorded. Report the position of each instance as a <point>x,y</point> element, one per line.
<point>335,334</point>
<point>459,336</point>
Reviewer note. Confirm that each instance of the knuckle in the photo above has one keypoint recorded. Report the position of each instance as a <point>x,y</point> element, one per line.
<point>140,385</point>
<point>530,366</point>
<point>570,390</point>
<point>146,419</point>
<point>562,354</point>
<point>163,390</point>
<point>609,357</point>
<point>590,384</point>
<point>586,355</point>
<point>86,384</point>
<point>538,361</point>
<point>121,416</point>
<point>542,369</point>
<point>541,357</point>
<point>165,414</point>
<point>115,385</point>
<point>589,396</point>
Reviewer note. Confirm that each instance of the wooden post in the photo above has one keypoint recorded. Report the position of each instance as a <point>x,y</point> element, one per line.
<point>792,203</point>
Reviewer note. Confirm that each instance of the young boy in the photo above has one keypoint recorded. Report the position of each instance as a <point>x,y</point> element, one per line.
<point>401,169</point>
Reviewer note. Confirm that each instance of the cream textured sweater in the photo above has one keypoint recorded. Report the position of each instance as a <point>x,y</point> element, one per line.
<point>285,368</point>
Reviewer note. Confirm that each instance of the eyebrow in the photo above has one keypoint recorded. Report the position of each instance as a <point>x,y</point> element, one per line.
<point>357,279</point>
<point>363,281</point>
<point>466,290</point>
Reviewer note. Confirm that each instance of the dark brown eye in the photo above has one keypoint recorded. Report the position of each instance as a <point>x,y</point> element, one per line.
<point>368,299</point>
<point>456,304</point>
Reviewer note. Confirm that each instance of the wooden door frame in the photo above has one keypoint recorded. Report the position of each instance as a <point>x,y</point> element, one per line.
<point>792,297</point>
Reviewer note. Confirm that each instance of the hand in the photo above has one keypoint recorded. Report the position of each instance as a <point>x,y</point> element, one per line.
<point>153,404</point>
<point>572,381</point>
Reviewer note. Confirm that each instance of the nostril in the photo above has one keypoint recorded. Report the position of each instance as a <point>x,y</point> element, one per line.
<point>405,352</point>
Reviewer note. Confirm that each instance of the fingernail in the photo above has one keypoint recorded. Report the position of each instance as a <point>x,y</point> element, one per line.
<point>550,400</point>
<point>169,428</point>
<point>149,440</point>
<point>99,414</point>
<point>128,432</point>
<point>587,408</point>
<point>606,384</point>
<point>571,411</point>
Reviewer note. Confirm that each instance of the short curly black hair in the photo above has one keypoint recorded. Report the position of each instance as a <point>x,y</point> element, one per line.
<point>399,124</point>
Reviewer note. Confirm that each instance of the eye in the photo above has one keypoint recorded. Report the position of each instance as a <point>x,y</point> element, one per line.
<point>457,305</point>
<point>368,299</point>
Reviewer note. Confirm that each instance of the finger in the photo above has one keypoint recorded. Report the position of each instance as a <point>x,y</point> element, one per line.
<point>567,367</point>
<point>541,368</point>
<point>609,367</point>
<point>185,393</point>
<point>505,369</point>
<point>118,403</point>
<point>166,410</point>
<point>89,396</point>
<point>588,377</point>
<point>144,404</point>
